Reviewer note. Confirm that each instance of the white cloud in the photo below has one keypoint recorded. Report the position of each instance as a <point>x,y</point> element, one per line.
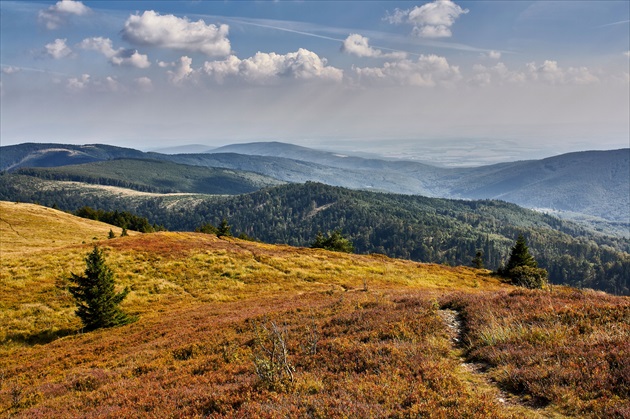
<point>499,73</point>
<point>10,69</point>
<point>550,72</point>
<point>431,20</point>
<point>78,83</point>
<point>359,45</point>
<point>87,83</point>
<point>493,55</point>
<point>427,71</point>
<point>58,49</point>
<point>120,57</point>
<point>169,31</point>
<point>268,67</point>
<point>222,69</point>
<point>627,54</point>
<point>56,15</point>
<point>133,58</point>
<point>183,70</point>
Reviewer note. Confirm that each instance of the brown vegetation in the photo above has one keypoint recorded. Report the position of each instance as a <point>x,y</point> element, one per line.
<point>233,328</point>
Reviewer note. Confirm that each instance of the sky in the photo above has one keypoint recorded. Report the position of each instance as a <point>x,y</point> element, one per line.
<point>454,82</point>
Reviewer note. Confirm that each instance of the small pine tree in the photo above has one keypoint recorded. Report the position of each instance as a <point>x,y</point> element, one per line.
<point>94,294</point>
<point>124,232</point>
<point>111,234</point>
<point>477,261</point>
<point>224,229</point>
<point>520,255</point>
<point>522,269</point>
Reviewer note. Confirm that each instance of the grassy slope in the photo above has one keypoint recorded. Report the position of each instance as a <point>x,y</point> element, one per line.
<point>203,302</point>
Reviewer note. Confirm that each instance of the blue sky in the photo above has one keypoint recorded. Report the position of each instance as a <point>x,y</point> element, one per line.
<point>504,79</point>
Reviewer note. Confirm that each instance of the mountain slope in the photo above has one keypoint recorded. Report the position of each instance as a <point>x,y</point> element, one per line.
<point>411,227</point>
<point>157,176</point>
<point>591,183</point>
<point>52,155</point>
<point>27,227</point>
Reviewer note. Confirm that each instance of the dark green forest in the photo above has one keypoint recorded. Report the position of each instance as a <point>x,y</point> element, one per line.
<point>156,176</point>
<point>410,227</point>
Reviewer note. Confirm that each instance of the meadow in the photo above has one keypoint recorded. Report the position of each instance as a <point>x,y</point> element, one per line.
<point>233,328</point>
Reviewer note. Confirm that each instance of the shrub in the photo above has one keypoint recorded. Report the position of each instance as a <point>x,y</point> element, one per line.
<point>335,242</point>
<point>528,277</point>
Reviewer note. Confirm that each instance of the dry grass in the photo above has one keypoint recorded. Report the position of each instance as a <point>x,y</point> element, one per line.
<point>28,228</point>
<point>565,348</point>
<point>362,333</point>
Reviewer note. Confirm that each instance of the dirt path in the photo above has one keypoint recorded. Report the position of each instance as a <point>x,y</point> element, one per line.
<point>477,372</point>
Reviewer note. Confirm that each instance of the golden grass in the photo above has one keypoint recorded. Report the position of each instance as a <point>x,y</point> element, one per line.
<point>41,247</point>
<point>381,346</point>
<point>30,227</point>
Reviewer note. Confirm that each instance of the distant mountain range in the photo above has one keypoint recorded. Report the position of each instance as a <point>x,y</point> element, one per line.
<point>589,183</point>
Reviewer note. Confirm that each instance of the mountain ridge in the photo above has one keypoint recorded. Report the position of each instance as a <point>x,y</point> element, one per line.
<point>593,183</point>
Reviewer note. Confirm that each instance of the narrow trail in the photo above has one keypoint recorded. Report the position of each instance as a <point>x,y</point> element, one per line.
<point>12,228</point>
<point>478,371</point>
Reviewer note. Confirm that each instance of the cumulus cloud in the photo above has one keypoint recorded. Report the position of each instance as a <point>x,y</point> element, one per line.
<point>431,20</point>
<point>183,70</point>
<point>78,83</point>
<point>493,55</point>
<point>550,72</point>
<point>268,67</point>
<point>58,49</point>
<point>498,73</point>
<point>87,83</point>
<point>169,31</point>
<point>359,45</point>
<point>57,14</point>
<point>427,71</point>
<point>120,57</point>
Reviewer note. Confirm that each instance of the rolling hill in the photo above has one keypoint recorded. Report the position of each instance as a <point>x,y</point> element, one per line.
<point>157,176</point>
<point>362,335</point>
<point>577,185</point>
<point>411,227</point>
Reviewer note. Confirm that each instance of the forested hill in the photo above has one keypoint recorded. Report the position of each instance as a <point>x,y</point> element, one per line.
<point>157,176</point>
<point>411,227</point>
<point>427,229</point>
<point>580,185</point>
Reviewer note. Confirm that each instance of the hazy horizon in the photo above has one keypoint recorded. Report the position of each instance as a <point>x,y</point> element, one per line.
<point>454,83</point>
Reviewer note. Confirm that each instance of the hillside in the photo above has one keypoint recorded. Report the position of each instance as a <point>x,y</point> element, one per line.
<point>22,228</point>
<point>156,176</point>
<point>52,155</point>
<point>363,335</point>
<point>590,186</point>
<point>589,182</point>
<point>410,227</point>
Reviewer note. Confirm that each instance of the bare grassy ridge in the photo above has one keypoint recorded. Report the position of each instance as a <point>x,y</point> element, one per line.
<point>362,334</point>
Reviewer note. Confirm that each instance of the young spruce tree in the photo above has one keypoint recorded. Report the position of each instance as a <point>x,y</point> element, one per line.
<point>95,296</point>
<point>522,269</point>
